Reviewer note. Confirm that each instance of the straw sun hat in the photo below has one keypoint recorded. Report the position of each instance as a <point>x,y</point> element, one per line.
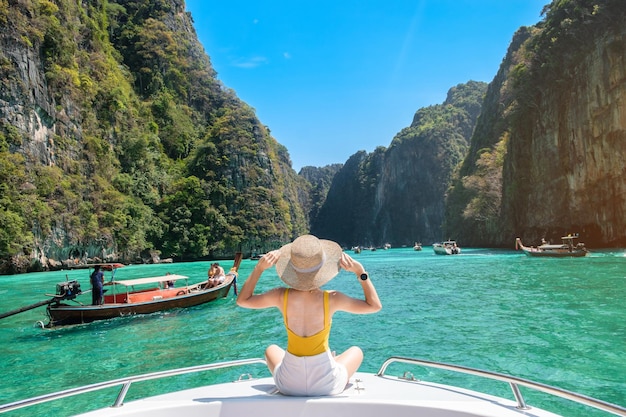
<point>308,262</point>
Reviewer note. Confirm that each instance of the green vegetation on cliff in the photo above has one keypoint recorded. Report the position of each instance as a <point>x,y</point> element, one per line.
<point>136,149</point>
<point>541,160</point>
<point>396,195</point>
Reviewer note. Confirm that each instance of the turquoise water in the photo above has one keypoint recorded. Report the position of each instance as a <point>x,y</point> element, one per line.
<point>557,321</point>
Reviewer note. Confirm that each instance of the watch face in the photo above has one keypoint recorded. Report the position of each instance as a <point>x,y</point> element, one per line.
<point>363,277</point>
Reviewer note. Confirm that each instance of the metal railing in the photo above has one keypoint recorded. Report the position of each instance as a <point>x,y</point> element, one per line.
<point>514,383</point>
<point>125,383</point>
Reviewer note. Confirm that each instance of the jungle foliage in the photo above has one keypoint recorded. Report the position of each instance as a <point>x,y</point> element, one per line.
<point>151,154</point>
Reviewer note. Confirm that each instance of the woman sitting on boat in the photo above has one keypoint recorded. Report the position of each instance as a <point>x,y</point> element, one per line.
<point>308,368</point>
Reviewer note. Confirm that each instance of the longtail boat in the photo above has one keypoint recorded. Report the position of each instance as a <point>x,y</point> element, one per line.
<point>565,249</point>
<point>130,297</point>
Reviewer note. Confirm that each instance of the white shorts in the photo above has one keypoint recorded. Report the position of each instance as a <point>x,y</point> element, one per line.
<point>310,376</point>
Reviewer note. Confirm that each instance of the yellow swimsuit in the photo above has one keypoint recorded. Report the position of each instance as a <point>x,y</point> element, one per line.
<point>308,345</point>
<point>308,367</point>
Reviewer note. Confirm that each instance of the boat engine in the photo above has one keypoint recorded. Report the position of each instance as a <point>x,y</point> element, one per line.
<point>68,290</point>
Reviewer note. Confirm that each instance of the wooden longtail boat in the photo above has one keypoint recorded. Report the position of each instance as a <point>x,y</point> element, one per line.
<point>565,249</point>
<point>144,301</point>
<point>156,294</point>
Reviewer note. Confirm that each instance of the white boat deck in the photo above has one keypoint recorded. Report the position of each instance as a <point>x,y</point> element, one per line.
<point>366,396</point>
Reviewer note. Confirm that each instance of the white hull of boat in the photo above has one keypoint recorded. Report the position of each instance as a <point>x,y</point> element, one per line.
<point>446,248</point>
<point>367,395</point>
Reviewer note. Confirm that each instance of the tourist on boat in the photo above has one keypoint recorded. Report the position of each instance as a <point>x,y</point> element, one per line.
<point>97,282</point>
<point>308,367</point>
<point>217,275</point>
<point>169,283</point>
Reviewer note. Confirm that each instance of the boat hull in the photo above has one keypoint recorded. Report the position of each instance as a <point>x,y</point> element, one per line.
<point>64,314</point>
<point>446,248</point>
<point>371,396</point>
<point>553,251</point>
<point>555,254</point>
<point>365,395</point>
<point>441,250</point>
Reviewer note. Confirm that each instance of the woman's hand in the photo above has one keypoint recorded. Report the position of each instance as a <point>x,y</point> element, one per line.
<point>247,298</point>
<point>350,264</point>
<point>268,260</point>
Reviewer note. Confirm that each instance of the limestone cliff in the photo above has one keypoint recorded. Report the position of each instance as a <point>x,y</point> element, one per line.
<point>572,156</point>
<point>548,155</point>
<point>396,195</point>
<point>117,142</point>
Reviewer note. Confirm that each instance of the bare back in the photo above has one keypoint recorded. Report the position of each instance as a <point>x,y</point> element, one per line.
<point>305,311</point>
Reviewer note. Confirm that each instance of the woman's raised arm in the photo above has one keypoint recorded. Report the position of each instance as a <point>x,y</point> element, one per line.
<point>247,298</point>
<point>370,304</point>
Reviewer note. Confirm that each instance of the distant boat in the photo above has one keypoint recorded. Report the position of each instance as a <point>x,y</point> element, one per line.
<point>449,247</point>
<point>417,246</point>
<point>565,249</point>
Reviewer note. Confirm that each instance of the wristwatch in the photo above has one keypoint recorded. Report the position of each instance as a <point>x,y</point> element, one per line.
<point>364,276</point>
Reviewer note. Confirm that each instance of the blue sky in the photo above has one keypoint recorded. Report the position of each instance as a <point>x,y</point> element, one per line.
<point>333,77</point>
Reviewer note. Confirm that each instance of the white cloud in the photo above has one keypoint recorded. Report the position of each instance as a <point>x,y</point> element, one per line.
<point>286,55</point>
<point>251,62</point>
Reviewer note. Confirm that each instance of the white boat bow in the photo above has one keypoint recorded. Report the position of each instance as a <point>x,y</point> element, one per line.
<point>367,395</point>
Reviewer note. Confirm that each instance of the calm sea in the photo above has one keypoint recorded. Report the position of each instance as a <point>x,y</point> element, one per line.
<point>557,321</point>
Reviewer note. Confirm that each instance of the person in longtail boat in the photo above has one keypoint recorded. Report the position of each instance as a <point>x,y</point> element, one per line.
<point>97,283</point>
<point>217,275</point>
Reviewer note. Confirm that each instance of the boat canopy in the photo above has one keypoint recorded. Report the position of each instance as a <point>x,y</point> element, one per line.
<point>552,247</point>
<point>150,280</point>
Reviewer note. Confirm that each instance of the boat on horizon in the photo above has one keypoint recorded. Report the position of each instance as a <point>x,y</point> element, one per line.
<point>366,395</point>
<point>449,247</point>
<point>565,249</point>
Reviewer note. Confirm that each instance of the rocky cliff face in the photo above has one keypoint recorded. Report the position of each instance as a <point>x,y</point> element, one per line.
<point>396,195</point>
<point>572,156</point>
<point>117,142</point>
<point>474,200</point>
<point>547,157</point>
